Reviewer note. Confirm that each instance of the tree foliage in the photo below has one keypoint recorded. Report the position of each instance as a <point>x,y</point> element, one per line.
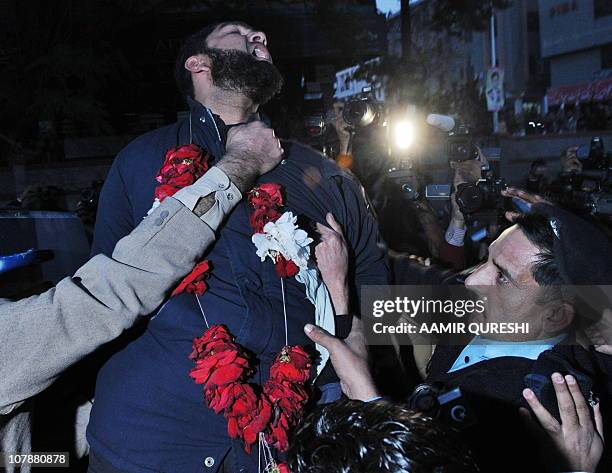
<point>61,70</point>
<point>66,66</point>
<point>459,17</point>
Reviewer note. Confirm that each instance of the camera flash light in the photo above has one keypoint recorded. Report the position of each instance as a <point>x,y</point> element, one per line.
<point>404,134</point>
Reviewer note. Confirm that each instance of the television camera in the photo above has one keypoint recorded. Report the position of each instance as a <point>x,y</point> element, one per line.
<point>588,190</point>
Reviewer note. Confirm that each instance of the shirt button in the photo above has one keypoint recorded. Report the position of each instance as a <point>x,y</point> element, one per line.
<point>203,120</point>
<point>283,161</point>
<point>164,214</point>
<point>209,461</point>
<point>221,186</point>
<point>466,359</point>
<point>159,221</point>
<point>230,196</point>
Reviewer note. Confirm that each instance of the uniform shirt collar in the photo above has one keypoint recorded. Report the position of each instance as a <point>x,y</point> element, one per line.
<point>203,116</point>
<point>482,349</point>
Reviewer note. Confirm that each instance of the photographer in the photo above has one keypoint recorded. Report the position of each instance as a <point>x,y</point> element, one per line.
<point>570,164</point>
<point>584,184</point>
<point>407,226</point>
<point>536,181</point>
<point>452,250</point>
<point>547,247</point>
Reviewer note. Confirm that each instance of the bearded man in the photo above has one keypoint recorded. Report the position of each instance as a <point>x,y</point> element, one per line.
<point>148,414</point>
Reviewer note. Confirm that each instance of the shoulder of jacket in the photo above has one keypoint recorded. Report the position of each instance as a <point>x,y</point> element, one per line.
<point>306,157</point>
<point>149,145</point>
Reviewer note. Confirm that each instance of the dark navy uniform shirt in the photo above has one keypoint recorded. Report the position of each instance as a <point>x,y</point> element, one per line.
<point>148,413</point>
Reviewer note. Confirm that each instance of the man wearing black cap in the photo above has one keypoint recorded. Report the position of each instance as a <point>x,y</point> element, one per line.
<point>542,271</point>
<point>548,270</point>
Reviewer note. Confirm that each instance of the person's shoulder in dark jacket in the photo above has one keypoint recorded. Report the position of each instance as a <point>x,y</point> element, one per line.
<point>309,159</point>
<point>351,209</point>
<point>146,149</point>
<point>130,180</point>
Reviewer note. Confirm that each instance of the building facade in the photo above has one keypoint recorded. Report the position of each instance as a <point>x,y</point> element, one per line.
<point>452,61</point>
<point>576,39</point>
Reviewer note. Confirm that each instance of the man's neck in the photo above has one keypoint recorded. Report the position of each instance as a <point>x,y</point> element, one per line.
<point>232,108</point>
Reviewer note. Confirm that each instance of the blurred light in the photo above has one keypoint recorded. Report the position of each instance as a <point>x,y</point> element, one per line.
<point>479,234</point>
<point>404,134</point>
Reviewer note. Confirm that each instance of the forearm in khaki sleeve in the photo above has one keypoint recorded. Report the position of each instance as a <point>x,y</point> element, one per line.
<point>43,335</point>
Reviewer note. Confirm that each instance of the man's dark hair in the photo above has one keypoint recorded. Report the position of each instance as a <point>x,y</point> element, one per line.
<point>193,45</point>
<point>537,229</point>
<point>375,437</point>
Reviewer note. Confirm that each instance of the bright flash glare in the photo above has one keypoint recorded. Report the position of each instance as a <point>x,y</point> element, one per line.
<point>404,134</point>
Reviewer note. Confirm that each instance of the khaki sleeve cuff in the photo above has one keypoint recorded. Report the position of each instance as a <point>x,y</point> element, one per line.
<point>226,193</point>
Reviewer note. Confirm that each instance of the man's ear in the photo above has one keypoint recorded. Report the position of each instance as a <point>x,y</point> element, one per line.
<point>559,318</point>
<point>196,64</point>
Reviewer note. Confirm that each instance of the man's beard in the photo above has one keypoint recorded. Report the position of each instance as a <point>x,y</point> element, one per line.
<point>238,71</point>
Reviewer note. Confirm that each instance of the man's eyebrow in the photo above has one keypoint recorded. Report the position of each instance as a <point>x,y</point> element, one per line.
<point>238,26</point>
<point>222,26</point>
<point>505,272</point>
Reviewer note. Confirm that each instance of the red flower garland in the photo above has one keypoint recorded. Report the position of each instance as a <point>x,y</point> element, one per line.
<point>286,391</point>
<point>267,203</point>
<point>183,166</point>
<point>223,367</point>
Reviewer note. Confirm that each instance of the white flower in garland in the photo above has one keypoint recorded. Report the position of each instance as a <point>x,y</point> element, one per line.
<point>284,237</point>
<point>156,203</point>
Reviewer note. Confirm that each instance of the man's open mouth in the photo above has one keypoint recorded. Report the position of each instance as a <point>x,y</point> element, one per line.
<point>260,52</point>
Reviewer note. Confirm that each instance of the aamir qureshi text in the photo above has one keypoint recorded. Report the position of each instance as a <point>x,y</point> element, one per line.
<point>475,328</point>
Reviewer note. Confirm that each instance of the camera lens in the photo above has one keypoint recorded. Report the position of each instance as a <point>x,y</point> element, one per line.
<point>411,190</point>
<point>359,113</point>
<point>469,197</point>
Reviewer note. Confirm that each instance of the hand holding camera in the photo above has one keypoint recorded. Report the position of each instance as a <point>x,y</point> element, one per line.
<point>466,173</point>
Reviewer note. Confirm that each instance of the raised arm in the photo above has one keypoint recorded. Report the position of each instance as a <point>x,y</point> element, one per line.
<point>45,334</point>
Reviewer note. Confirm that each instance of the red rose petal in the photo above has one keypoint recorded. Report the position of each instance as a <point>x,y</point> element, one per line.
<point>225,374</point>
<point>286,268</point>
<point>194,281</point>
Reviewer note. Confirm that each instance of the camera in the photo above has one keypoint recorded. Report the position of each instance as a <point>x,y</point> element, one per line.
<point>412,180</point>
<point>364,111</point>
<point>315,125</point>
<point>460,144</point>
<point>485,194</point>
<point>588,191</point>
<point>407,178</point>
<point>447,405</point>
<point>583,195</point>
<point>317,133</point>
<point>594,157</point>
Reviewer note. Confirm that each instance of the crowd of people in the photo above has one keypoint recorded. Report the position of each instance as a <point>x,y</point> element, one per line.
<point>564,119</point>
<point>221,310</point>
